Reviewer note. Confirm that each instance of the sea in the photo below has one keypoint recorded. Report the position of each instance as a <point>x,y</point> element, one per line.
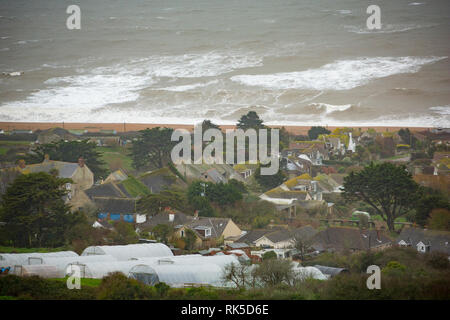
<point>309,62</point>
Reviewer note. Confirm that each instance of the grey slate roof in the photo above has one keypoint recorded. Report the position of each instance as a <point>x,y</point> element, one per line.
<point>163,218</point>
<point>341,238</point>
<point>217,225</point>
<point>65,169</point>
<point>115,205</point>
<point>253,235</point>
<point>438,240</point>
<point>109,189</point>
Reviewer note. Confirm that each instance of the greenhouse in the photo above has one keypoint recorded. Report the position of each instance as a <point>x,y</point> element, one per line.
<point>41,270</point>
<point>221,260</point>
<point>98,270</point>
<point>14,259</point>
<point>178,275</point>
<point>303,273</point>
<point>61,264</point>
<point>127,252</point>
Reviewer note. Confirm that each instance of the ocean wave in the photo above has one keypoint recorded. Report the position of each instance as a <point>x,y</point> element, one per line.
<point>445,110</point>
<point>189,87</point>
<point>416,3</point>
<point>388,28</point>
<point>339,75</point>
<point>330,108</point>
<point>196,65</point>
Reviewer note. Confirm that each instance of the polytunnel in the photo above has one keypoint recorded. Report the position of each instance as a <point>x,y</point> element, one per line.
<point>303,273</point>
<point>41,270</point>
<point>14,259</point>
<point>221,260</point>
<point>178,275</point>
<point>98,270</point>
<point>127,252</point>
<point>62,263</point>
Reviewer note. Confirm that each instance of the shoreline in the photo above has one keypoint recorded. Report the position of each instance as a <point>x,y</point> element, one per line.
<point>127,127</point>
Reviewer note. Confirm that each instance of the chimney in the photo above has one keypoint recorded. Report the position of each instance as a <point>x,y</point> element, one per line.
<point>22,164</point>
<point>81,161</point>
<point>46,157</point>
<point>195,214</point>
<point>378,235</point>
<point>171,217</point>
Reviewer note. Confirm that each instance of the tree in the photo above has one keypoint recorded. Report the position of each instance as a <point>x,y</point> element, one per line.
<point>439,219</point>
<point>269,181</point>
<point>241,275</point>
<point>71,151</point>
<point>124,233</point>
<point>162,232</point>
<point>269,255</point>
<point>35,212</point>
<point>272,272</point>
<point>250,121</point>
<point>152,149</point>
<point>302,242</point>
<point>428,200</point>
<point>407,137</point>
<point>388,188</point>
<point>189,239</point>
<point>155,203</point>
<point>314,132</point>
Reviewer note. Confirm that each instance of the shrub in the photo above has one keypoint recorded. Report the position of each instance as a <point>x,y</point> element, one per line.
<point>116,286</point>
<point>438,260</point>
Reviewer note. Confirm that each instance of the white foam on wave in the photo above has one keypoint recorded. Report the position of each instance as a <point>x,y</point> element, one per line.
<point>416,3</point>
<point>339,75</point>
<point>445,110</point>
<point>195,65</point>
<point>189,87</point>
<point>329,108</point>
<point>388,28</point>
<point>83,92</point>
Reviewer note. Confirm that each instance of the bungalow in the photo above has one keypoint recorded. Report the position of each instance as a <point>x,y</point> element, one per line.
<point>424,240</point>
<point>353,239</point>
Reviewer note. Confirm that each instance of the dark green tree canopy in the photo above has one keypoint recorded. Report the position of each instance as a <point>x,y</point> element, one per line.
<point>152,148</point>
<point>70,151</point>
<point>387,188</point>
<point>314,132</point>
<point>34,210</point>
<point>270,181</point>
<point>250,120</point>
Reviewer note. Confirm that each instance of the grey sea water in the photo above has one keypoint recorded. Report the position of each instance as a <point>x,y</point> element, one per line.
<point>179,61</point>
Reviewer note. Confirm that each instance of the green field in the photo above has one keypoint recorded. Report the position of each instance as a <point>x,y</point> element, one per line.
<point>4,249</point>
<point>113,156</point>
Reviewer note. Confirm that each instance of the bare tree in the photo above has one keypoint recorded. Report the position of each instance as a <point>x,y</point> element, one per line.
<point>273,272</point>
<point>242,275</point>
<point>302,241</point>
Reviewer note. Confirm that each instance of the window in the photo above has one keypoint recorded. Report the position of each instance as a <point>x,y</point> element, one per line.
<point>182,233</point>
<point>207,232</point>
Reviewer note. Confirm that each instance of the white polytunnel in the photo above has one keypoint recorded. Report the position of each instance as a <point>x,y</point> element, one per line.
<point>178,275</point>
<point>221,260</point>
<point>303,273</point>
<point>62,263</point>
<point>13,259</point>
<point>127,252</point>
<point>98,270</point>
<point>41,270</point>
